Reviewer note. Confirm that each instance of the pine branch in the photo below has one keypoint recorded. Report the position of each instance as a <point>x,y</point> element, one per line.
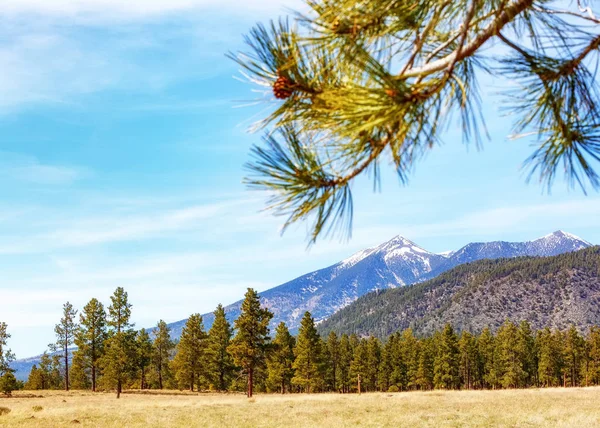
<point>506,16</point>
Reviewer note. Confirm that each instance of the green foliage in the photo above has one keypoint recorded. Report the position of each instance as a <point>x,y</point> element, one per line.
<point>446,363</point>
<point>8,383</point>
<point>90,338</point>
<point>118,361</point>
<point>162,348</point>
<point>536,289</point>
<point>309,359</point>
<point>143,346</point>
<point>280,364</point>
<point>250,345</point>
<point>357,82</point>
<point>65,332</point>
<point>190,363</point>
<point>6,356</point>
<point>220,363</point>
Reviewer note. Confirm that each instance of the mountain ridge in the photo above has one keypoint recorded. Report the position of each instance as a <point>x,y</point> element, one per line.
<point>394,263</point>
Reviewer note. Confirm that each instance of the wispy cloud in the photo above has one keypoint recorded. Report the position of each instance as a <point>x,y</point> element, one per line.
<point>28,169</point>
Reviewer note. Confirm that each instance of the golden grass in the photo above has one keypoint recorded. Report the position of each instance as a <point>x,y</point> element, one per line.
<point>571,407</point>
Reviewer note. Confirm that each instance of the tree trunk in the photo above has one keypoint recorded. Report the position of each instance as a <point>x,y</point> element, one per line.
<point>359,384</point>
<point>93,378</point>
<point>119,388</point>
<point>66,366</point>
<point>250,382</point>
<point>160,385</point>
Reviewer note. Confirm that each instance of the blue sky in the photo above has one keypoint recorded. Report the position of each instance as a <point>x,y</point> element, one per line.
<point>121,158</point>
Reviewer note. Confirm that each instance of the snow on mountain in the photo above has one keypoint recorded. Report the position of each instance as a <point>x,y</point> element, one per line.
<point>394,263</point>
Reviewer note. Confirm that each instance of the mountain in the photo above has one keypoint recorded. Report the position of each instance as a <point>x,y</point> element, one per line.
<point>554,292</point>
<point>395,263</point>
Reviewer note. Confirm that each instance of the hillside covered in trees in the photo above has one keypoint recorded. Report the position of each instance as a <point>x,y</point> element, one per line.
<point>553,292</point>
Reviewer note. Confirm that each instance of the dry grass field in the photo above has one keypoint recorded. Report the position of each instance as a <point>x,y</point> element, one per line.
<point>577,407</point>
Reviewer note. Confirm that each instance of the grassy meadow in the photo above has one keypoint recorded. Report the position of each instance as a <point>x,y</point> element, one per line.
<point>571,407</point>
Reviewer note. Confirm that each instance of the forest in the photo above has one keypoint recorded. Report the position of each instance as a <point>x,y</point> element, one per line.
<point>110,355</point>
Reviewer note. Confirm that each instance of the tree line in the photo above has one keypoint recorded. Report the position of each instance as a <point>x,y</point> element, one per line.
<point>111,355</point>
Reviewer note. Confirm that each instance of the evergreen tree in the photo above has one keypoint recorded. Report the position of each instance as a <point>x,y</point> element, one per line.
<point>8,383</point>
<point>143,346</point>
<point>45,371</point>
<point>190,359</point>
<point>468,359</point>
<point>79,376</point>
<point>409,358</point>
<point>161,352</point>
<point>446,364</point>
<point>594,355</point>
<point>90,337</point>
<point>387,364</point>
<point>358,367</point>
<point>426,361</point>
<point>280,364</point>
<point>526,347</point>
<point>118,361</point>
<point>34,381</point>
<point>308,363</point>
<point>333,360</point>
<point>573,357</point>
<point>345,363</point>
<point>373,362</point>
<point>6,356</point>
<point>65,335</point>
<point>220,362</point>
<point>56,372</point>
<point>511,356</point>
<point>486,346</point>
<point>250,344</point>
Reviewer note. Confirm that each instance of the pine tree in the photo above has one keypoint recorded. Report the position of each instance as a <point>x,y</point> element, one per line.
<point>548,357</point>
<point>387,364</point>
<point>468,359</point>
<point>79,377</point>
<point>373,362</point>
<point>250,344</point>
<point>45,371</point>
<point>409,357</point>
<point>354,82</point>
<point>65,335</point>
<point>220,362</point>
<point>190,359</point>
<point>359,365</point>
<point>6,356</point>
<point>8,383</point>
<point>573,356</point>
<point>345,363</point>
<point>143,346</point>
<point>118,361</point>
<point>594,355</point>
<point>161,352</point>
<point>333,360</point>
<point>486,345</point>
<point>90,337</point>
<point>426,362</point>
<point>511,356</point>
<point>526,347</point>
<point>446,364</point>
<point>280,364</point>
<point>308,364</point>
<point>34,380</point>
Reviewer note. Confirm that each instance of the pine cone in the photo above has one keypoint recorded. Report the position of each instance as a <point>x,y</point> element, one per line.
<point>283,88</point>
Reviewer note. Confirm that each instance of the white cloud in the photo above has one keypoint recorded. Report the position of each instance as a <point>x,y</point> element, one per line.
<point>29,169</point>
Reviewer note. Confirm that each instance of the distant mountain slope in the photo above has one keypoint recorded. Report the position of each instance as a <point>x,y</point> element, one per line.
<point>551,291</point>
<point>397,262</point>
